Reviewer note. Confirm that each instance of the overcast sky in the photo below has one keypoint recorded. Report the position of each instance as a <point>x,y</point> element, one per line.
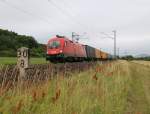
<point>44,19</point>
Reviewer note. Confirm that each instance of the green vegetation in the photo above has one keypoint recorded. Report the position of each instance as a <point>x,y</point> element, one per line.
<point>113,88</point>
<point>13,60</point>
<point>130,57</point>
<point>144,58</point>
<point>11,41</point>
<point>139,92</point>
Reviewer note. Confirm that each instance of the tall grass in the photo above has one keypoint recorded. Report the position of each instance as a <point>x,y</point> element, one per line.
<point>100,90</point>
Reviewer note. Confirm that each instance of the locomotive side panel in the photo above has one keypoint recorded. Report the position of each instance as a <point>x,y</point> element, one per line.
<point>80,51</point>
<point>72,49</point>
<point>69,49</point>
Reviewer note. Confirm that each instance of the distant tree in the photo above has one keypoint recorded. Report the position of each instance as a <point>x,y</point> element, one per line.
<point>143,58</point>
<point>128,57</point>
<point>11,41</point>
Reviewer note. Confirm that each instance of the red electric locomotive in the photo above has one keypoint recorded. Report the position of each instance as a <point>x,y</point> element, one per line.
<point>62,49</point>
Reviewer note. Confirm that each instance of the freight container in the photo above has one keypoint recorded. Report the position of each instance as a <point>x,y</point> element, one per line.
<point>103,55</point>
<point>110,56</point>
<point>97,54</point>
<point>90,52</point>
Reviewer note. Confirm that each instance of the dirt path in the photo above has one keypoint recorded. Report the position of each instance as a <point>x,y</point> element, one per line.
<point>138,98</point>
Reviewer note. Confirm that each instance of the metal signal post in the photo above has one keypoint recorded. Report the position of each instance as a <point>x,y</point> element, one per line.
<point>114,44</point>
<point>75,36</point>
<point>114,38</point>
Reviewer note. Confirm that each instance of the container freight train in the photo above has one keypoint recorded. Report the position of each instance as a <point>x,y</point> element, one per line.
<point>61,49</point>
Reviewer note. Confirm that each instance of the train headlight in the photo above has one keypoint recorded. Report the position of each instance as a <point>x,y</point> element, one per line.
<point>61,51</point>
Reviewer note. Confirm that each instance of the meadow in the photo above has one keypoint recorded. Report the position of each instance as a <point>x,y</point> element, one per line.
<point>119,87</point>
<point>13,60</point>
<point>146,63</point>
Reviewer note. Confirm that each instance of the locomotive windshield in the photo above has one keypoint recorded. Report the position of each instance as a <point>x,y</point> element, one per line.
<point>54,44</point>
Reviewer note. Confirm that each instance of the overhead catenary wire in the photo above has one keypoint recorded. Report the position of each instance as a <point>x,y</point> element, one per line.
<point>27,12</point>
<point>74,14</point>
<point>64,12</point>
<point>67,6</point>
<point>72,11</point>
<point>60,21</point>
<point>107,36</point>
<point>37,16</point>
<point>12,5</point>
<point>42,18</point>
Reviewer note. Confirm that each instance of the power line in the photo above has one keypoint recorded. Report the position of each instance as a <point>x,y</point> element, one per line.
<point>72,11</point>
<point>25,12</point>
<point>72,16</point>
<point>67,6</point>
<point>43,19</point>
<point>67,14</point>
<point>107,36</point>
<point>58,21</point>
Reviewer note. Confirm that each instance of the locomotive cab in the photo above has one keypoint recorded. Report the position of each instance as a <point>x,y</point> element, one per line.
<point>55,48</point>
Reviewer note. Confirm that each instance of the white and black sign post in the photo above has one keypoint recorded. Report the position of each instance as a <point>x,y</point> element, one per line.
<point>23,61</point>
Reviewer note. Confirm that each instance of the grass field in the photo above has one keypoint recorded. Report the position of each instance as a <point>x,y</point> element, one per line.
<point>115,88</point>
<point>13,60</point>
<point>139,92</point>
<point>146,63</point>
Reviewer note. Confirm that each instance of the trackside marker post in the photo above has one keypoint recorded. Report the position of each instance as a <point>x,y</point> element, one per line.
<point>23,61</point>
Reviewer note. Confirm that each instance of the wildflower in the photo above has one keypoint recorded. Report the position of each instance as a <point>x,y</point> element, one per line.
<point>95,77</point>
<point>110,74</point>
<point>138,113</point>
<point>18,107</point>
<point>34,96</point>
<point>57,95</point>
<point>43,94</point>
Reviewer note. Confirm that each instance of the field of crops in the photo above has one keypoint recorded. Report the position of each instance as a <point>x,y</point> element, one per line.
<point>113,88</point>
<point>13,60</point>
<point>145,63</point>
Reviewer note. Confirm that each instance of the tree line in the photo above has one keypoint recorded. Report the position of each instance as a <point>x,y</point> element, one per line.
<point>130,57</point>
<point>11,41</point>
